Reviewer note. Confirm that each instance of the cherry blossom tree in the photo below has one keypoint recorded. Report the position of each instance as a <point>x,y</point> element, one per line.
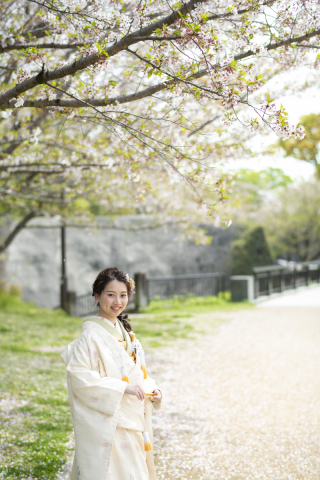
<point>137,103</point>
<point>307,149</point>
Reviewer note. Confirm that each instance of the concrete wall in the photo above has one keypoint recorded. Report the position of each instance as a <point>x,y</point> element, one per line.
<point>34,257</point>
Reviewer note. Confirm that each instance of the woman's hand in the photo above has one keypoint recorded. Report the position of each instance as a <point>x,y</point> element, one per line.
<point>156,396</point>
<point>135,390</point>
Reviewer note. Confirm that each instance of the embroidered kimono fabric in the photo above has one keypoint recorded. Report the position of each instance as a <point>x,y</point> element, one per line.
<point>108,423</point>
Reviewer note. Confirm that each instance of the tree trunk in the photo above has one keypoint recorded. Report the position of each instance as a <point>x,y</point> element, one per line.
<point>4,231</point>
<point>8,236</point>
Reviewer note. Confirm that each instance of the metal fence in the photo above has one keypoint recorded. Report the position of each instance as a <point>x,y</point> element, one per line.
<point>86,305</point>
<point>277,279</point>
<point>267,280</point>
<point>200,285</point>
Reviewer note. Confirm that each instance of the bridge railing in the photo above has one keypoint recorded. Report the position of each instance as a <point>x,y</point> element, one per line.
<point>277,278</point>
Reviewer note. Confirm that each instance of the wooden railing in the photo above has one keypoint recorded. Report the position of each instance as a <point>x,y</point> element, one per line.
<point>277,278</point>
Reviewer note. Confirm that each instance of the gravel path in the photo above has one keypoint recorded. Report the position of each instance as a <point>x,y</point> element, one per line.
<point>302,297</point>
<point>243,403</point>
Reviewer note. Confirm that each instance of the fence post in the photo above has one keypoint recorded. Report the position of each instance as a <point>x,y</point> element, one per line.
<point>282,281</point>
<point>223,283</point>
<point>308,280</point>
<point>141,287</point>
<point>270,283</point>
<point>294,277</point>
<point>63,280</point>
<point>72,304</point>
<point>256,286</point>
<point>242,288</point>
<point>217,285</point>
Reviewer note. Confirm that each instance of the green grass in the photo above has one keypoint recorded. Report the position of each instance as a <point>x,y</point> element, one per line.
<point>186,305</point>
<point>35,424</point>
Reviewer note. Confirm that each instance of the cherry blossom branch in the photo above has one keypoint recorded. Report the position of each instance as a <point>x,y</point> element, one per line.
<point>44,76</point>
<point>38,171</point>
<point>69,149</point>
<point>10,69</point>
<point>150,90</point>
<point>204,125</point>
<point>57,46</point>
<point>139,135</point>
<point>308,46</point>
<point>64,46</point>
<point>11,193</point>
<point>27,167</point>
<point>42,32</point>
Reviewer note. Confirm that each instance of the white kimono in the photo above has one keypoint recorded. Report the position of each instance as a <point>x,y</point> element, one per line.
<point>108,423</point>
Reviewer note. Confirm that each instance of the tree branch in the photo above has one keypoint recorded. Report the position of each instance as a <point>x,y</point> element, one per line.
<point>23,46</point>
<point>10,193</point>
<point>45,76</point>
<point>64,46</point>
<point>96,102</point>
<point>10,69</point>
<point>308,46</point>
<point>203,125</point>
<point>18,228</point>
<point>9,150</point>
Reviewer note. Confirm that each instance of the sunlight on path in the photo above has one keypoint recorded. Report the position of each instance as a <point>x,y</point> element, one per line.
<point>304,297</point>
<point>243,404</point>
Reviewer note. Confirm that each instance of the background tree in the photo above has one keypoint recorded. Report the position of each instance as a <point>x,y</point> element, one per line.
<point>292,222</point>
<point>249,189</point>
<point>307,148</point>
<point>251,250</point>
<point>288,212</point>
<point>135,103</point>
<point>249,194</point>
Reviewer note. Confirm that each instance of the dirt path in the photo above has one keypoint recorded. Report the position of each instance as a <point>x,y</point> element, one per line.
<point>244,403</point>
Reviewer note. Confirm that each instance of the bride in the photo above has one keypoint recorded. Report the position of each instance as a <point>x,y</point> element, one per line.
<point>110,394</point>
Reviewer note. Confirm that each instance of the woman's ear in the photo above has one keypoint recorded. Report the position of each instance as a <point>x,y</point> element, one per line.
<point>96,296</point>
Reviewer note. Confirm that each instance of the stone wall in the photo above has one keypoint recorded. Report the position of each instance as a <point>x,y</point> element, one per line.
<point>34,257</point>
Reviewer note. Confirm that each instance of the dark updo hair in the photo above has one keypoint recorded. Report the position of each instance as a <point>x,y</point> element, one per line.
<point>106,276</point>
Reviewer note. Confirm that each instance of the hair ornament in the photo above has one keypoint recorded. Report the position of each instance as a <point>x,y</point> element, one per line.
<point>132,285</point>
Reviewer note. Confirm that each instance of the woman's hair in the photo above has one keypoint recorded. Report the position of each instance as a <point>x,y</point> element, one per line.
<point>108,275</point>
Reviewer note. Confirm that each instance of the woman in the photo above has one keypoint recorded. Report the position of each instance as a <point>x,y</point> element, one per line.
<point>111,397</point>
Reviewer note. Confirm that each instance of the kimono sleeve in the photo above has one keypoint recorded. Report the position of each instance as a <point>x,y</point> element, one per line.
<point>102,394</point>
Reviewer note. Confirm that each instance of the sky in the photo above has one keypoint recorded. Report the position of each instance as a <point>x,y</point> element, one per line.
<point>296,106</point>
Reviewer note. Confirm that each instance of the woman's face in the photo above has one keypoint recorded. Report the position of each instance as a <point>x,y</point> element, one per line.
<point>113,299</point>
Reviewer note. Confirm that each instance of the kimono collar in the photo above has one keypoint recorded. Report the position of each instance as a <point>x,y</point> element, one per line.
<point>113,331</point>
